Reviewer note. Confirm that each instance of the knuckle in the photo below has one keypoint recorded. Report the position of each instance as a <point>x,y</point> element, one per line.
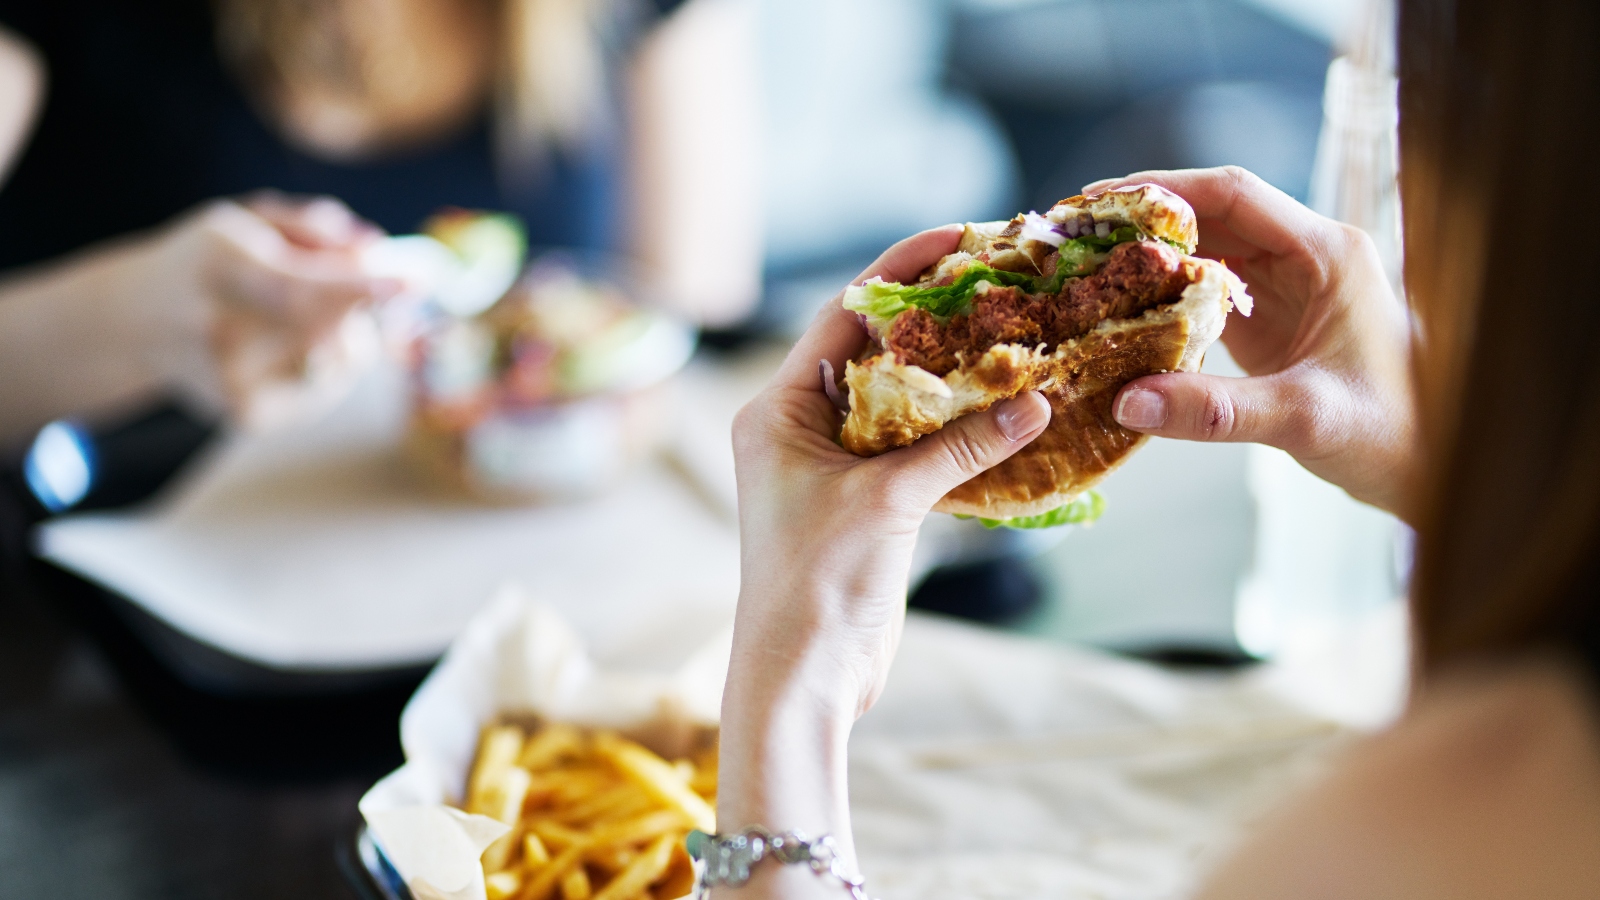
<point>1353,235</point>
<point>1355,241</point>
<point>746,427</point>
<point>1312,418</point>
<point>890,495</point>
<point>1318,414</point>
<point>257,200</point>
<point>1218,416</point>
<point>1243,180</point>
<point>216,215</point>
<point>966,450</point>
<point>324,206</point>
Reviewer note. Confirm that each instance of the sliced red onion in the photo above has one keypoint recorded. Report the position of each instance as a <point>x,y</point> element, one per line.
<point>831,387</point>
<point>1037,228</point>
<point>872,330</point>
<point>1102,229</point>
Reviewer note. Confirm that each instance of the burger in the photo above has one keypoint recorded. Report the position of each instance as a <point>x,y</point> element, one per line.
<point>1075,303</point>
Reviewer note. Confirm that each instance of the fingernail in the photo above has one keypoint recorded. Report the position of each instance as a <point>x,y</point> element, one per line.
<point>1140,408</point>
<point>1020,417</point>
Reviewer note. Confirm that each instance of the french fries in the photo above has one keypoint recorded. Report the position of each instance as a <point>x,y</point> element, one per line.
<point>593,816</point>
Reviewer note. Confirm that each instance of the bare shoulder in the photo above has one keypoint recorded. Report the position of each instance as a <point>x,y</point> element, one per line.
<point>1490,787</point>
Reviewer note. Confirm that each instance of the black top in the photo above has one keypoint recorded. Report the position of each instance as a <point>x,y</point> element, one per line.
<point>142,121</point>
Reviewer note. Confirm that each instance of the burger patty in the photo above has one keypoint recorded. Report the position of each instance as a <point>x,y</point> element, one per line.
<point>1139,275</point>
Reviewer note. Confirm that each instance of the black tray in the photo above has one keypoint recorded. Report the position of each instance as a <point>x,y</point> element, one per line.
<point>230,713</point>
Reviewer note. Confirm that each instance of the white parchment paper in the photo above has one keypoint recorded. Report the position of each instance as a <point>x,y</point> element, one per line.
<point>517,656</point>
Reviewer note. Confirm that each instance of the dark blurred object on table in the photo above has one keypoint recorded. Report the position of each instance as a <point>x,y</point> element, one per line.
<point>999,591</point>
<point>74,466</point>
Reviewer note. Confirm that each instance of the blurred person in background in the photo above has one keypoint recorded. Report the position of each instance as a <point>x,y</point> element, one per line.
<point>140,258</point>
<point>1485,439</point>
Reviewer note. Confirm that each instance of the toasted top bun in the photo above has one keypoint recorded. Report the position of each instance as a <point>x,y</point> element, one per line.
<point>892,403</point>
<point>1012,246</point>
<point>1152,208</point>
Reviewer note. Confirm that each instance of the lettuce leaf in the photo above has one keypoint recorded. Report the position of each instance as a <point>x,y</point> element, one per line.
<point>1078,258</point>
<point>880,301</point>
<point>1083,511</point>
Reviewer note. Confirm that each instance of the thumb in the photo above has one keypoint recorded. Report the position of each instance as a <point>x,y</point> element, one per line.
<point>970,445</point>
<point>1274,409</point>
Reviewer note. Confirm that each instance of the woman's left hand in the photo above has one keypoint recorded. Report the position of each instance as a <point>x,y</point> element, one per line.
<point>828,535</point>
<point>826,538</point>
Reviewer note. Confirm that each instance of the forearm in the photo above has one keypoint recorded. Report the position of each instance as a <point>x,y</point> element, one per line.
<point>84,336</point>
<point>827,538</point>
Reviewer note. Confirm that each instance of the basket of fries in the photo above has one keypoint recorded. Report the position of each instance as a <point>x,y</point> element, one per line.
<point>532,773</point>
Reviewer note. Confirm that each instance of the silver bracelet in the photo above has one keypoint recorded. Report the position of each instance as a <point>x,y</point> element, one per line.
<point>727,859</point>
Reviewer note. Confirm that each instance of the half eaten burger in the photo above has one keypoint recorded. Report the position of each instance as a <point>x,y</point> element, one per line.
<point>1074,303</point>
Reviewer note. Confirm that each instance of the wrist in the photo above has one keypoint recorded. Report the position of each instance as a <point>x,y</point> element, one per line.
<point>811,651</point>
<point>783,764</point>
<point>176,312</point>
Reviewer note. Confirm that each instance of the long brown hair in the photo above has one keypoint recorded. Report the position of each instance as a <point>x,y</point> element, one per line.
<point>1499,152</point>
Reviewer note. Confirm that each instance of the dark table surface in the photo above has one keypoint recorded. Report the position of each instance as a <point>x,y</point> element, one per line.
<point>97,801</point>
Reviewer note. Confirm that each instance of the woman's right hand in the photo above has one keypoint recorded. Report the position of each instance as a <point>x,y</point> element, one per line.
<point>1326,349</point>
<point>826,539</point>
